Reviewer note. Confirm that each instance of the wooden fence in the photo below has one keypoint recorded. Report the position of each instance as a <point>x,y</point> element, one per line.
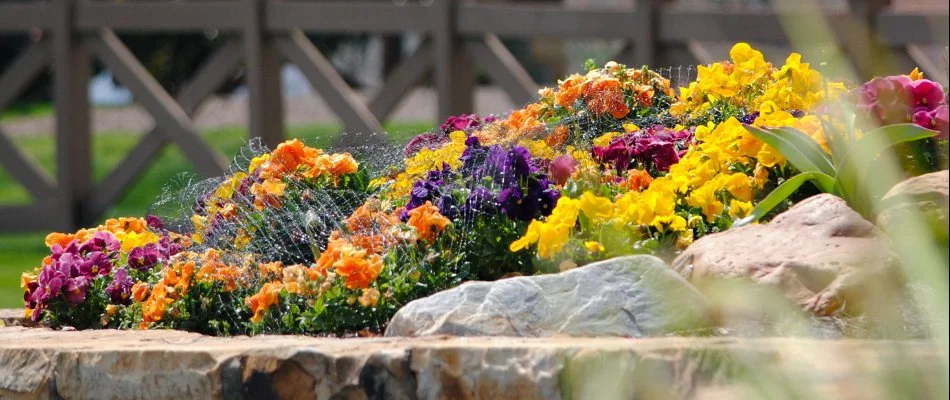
<point>459,37</point>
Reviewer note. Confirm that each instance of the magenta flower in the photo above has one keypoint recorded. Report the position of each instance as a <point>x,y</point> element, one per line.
<point>424,141</point>
<point>562,167</point>
<point>926,94</point>
<point>935,119</point>
<point>75,289</point>
<point>120,289</point>
<point>101,241</point>
<point>145,257</point>
<point>96,263</point>
<point>464,122</point>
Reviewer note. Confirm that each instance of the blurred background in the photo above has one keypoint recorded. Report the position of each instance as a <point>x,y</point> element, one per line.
<point>104,102</point>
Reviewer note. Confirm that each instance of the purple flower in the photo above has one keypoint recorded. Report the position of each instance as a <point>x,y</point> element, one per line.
<point>537,199</point>
<point>168,247</point>
<point>75,289</point>
<point>100,241</point>
<point>562,167</point>
<point>145,257</point>
<point>432,189</point>
<point>121,287</point>
<point>424,141</point>
<point>480,201</point>
<point>155,223</point>
<point>96,263</point>
<point>657,146</point>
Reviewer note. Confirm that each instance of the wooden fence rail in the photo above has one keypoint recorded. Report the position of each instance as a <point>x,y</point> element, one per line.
<point>458,37</point>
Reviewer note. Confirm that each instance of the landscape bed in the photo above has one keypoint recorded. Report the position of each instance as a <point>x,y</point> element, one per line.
<point>612,163</point>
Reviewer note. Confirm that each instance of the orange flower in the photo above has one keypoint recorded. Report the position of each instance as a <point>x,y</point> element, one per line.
<point>369,298</point>
<point>125,225</point>
<point>287,157</point>
<point>153,309</point>
<point>340,164</point>
<point>606,96</point>
<point>569,91</point>
<point>268,193</point>
<point>139,291</point>
<point>270,270</point>
<point>524,122</point>
<point>179,276</point>
<point>557,137</point>
<point>62,239</point>
<point>359,270</point>
<point>427,221</point>
<point>267,297</point>
<point>638,179</point>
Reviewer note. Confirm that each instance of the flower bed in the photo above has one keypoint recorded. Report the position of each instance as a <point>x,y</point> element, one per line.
<point>609,163</point>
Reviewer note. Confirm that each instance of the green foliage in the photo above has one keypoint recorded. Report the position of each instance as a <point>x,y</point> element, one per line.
<point>843,172</point>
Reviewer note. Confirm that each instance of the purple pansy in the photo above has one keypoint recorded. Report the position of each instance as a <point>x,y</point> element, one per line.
<point>145,257</point>
<point>120,289</point>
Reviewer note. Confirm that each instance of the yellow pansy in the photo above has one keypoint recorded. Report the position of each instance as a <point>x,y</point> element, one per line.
<point>739,209</point>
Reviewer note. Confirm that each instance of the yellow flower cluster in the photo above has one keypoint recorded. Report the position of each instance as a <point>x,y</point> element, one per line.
<point>748,81</point>
<point>417,166</point>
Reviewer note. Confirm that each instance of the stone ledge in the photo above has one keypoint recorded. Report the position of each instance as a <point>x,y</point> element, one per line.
<point>42,363</point>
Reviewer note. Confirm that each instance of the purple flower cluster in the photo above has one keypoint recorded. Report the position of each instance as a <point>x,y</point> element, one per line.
<point>898,99</point>
<point>491,180</point>
<point>658,146</point>
<point>71,270</point>
<point>522,192</point>
<point>437,188</point>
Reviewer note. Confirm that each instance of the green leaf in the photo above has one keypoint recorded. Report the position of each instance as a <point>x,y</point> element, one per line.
<point>797,154</point>
<point>782,192</point>
<point>815,152</point>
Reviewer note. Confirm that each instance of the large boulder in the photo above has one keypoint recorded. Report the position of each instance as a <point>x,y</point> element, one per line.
<point>628,296</point>
<point>921,202</point>
<point>820,254</point>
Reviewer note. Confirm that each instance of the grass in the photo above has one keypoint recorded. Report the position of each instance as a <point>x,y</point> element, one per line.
<point>25,110</point>
<point>23,251</point>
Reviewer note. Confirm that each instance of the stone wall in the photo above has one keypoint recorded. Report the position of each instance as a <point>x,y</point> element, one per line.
<point>37,363</point>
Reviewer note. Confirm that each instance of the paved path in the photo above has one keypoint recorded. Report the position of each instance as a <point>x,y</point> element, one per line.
<point>419,105</point>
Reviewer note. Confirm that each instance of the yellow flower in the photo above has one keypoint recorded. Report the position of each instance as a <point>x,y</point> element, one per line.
<point>632,128</point>
<point>595,207</point>
<point>131,240</point>
<point>593,246</point>
<point>739,209</point>
<point>739,186</point>
<point>706,198</point>
<point>684,239</point>
<point>916,75</point>
<point>605,139</point>
<point>553,234</point>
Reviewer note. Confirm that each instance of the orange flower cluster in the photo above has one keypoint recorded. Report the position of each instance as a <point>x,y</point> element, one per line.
<point>370,227</point>
<point>175,282</point>
<point>214,270</point>
<point>605,96</point>
<point>267,297</point>
<point>428,222</point>
<point>356,265</point>
<point>293,155</point>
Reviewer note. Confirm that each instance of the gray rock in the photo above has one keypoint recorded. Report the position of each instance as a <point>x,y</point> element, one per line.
<point>819,254</point>
<point>628,296</point>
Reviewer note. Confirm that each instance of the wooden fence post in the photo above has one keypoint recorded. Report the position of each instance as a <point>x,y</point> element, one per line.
<point>262,76</point>
<point>454,67</point>
<point>73,134</point>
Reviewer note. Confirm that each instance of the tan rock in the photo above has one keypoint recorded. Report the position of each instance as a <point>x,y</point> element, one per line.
<point>819,254</point>
<point>921,202</point>
<point>37,363</point>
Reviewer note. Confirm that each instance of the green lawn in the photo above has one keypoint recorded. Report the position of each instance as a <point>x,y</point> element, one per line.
<point>23,251</point>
